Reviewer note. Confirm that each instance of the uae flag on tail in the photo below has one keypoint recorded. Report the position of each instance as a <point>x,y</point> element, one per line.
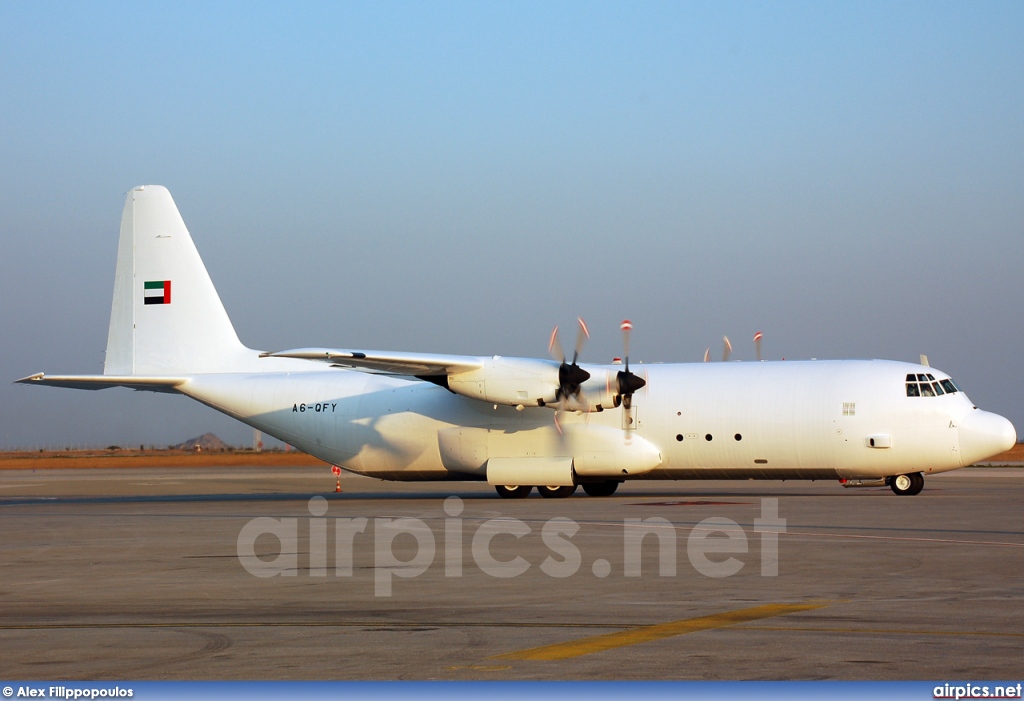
<point>157,292</point>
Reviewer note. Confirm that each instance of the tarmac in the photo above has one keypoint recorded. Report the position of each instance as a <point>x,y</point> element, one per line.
<point>268,573</point>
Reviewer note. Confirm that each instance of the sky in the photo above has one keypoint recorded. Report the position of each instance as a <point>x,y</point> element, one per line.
<point>847,178</point>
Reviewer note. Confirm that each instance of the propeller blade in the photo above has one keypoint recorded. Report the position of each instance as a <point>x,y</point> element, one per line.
<point>570,375</point>
<point>726,348</point>
<point>707,353</point>
<point>555,347</point>
<point>627,327</point>
<point>628,382</point>
<point>582,336</point>
<point>757,343</point>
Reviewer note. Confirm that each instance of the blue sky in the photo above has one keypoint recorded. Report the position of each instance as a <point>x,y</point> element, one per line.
<point>847,178</point>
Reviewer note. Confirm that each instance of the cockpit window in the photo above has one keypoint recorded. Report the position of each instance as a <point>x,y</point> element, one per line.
<point>925,385</point>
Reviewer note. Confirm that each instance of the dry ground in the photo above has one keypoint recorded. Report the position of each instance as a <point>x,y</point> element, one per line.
<point>108,459</point>
<point>1015,454</point>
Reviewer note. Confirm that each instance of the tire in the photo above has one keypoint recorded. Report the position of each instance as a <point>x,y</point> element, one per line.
<point>907,485</point>
<point>601,489</point>
<point>512,491</point>
<point>557,492</point>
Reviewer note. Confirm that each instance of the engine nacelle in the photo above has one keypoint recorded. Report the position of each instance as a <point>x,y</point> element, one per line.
<point>600,392</point>
<point>509,381</point>
<point>534,382</point>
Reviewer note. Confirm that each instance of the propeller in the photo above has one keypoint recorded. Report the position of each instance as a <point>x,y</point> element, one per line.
<point>627,381</point>
<point>570,375</point>
<point>727,348</point>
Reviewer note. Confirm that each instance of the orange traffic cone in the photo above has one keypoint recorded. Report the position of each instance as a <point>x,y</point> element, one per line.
<point>337,488</point>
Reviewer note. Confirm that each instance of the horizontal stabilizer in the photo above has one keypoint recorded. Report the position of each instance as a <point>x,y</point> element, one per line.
<point>144,384</point>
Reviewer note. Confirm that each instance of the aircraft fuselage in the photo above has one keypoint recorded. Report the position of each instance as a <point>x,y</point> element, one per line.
<point>776,420</point>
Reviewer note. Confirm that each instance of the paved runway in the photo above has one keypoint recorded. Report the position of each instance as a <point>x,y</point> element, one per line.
<point>153,574</point>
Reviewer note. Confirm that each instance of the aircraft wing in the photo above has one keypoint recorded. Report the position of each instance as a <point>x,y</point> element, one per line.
<point>413,364</point>
<point>136,382</point>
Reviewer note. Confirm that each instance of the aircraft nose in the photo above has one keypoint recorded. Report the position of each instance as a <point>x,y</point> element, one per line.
<point>984,434</point>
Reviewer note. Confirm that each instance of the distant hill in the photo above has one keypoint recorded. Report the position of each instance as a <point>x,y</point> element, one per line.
<point>205,442</point>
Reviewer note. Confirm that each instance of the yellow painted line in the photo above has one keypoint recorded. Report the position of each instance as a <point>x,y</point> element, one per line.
<point>610,641</point>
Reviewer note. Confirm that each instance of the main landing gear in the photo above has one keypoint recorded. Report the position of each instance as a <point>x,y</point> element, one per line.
<point>601,489</point>
<point>512,491</point>
<point>557,492</point>
<point>594,489</point>
<point>907,485</point>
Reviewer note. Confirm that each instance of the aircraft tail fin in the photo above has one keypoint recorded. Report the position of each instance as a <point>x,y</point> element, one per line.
<point>166,317</point>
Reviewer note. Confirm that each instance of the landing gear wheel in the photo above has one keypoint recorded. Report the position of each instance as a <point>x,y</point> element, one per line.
<point>907,485</point>
<point>512,491</point>
<point>557,492</point>
<point>601,489</point>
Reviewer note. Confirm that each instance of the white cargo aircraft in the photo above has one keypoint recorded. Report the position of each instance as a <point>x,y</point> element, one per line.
<point>520,423</point>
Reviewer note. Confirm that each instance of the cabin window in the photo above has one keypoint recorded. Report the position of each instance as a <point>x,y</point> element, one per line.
<point>926,390</point>
<point>912,390</point>
<point>948,386</point>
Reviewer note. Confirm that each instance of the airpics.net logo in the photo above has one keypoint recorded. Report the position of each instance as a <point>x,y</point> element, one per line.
<point>714,546</point>
<point>977,691</point>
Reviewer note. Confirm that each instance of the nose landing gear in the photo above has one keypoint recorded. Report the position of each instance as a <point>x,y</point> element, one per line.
<point>907,485</point>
